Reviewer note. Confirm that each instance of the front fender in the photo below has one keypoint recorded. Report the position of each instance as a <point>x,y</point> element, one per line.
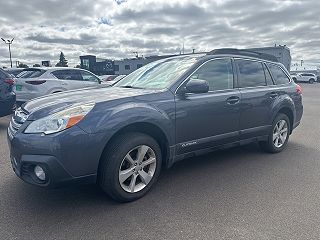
<point>115,118</point>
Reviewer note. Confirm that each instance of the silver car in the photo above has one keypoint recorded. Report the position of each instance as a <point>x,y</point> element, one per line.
<point>37,82</point>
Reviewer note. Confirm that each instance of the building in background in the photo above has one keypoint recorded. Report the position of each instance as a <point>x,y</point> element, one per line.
<point>281,52</point>
<point>97,65</point>
<point>128,65</point>
<point>45,63</point>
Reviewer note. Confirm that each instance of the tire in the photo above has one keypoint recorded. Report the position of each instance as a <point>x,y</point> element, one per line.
<point>115,160</point>
<point>270,144</point>
<point>311,81</point>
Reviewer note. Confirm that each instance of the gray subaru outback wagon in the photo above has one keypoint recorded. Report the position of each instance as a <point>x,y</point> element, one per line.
<point>121,136</point>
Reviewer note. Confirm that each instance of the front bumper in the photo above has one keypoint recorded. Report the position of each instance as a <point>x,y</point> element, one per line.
<point>70,156</point>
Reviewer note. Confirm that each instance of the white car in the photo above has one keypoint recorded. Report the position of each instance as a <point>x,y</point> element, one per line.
<point>37,82</point>
<point>304,77</point>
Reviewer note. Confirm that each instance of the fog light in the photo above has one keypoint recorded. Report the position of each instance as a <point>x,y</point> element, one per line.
<point>39,172</point>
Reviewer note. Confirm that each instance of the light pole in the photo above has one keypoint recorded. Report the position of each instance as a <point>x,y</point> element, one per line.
<point>9,42</point>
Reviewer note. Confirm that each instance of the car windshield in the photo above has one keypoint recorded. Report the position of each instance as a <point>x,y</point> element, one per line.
<point>159,74</point>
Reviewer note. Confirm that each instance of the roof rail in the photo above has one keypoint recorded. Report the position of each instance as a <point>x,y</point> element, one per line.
<point>244,52</point>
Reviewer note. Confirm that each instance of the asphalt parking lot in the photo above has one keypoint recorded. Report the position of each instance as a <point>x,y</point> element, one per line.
<point>240,193</point>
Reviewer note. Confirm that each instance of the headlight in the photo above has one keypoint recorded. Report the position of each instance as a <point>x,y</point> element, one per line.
<point>60,120</point>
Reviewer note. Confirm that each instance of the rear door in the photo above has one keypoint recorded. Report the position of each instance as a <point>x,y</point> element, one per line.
<point>68,79</point>
<point>257,95</point>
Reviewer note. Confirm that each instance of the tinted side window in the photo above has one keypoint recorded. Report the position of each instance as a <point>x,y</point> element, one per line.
<point>251,73</point>
<point>218,73</point>
<point>278,75</point>
<point>62,74</point>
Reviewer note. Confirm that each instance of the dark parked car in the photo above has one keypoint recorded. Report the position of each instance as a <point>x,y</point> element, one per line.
<point>170,109</point>
<point>7,96</point>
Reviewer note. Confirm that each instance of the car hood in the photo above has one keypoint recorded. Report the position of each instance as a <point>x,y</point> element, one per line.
<point>44,106</point>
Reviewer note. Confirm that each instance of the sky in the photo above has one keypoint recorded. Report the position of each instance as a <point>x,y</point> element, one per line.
<point>114,29</point>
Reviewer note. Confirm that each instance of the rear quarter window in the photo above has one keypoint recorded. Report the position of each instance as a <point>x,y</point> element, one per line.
<point>278,74</point>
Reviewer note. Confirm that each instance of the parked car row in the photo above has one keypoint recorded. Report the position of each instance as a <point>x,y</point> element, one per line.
<point>22,85</point>
<point>304,77</point>
<point>121,136</point>
<point>36,82</point>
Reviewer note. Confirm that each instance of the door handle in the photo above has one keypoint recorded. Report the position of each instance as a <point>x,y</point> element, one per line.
<point>273,95</point>
<point>233,100</point>
<point>64,84</point>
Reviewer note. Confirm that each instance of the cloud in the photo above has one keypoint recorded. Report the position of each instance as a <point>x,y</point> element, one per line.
<point>116,28</point>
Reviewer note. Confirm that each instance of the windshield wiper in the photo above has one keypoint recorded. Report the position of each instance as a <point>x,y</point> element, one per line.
<point>129,86</point>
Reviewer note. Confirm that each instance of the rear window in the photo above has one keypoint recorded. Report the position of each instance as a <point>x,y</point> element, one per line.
<point>32,73</point>
<point>278,74</point>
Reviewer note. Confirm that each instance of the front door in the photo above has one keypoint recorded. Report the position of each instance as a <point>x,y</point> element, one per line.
<point>209,119</point>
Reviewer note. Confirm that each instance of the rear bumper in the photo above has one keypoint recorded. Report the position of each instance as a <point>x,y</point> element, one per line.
<point>7,106</point>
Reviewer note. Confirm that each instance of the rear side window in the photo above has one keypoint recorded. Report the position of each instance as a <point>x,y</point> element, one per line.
<point>251,73</point>
<point>278,74</point>
<point>218,73</point>
<point>67,75</point>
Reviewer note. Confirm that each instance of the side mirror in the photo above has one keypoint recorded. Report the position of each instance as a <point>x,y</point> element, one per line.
<point>197,86</point>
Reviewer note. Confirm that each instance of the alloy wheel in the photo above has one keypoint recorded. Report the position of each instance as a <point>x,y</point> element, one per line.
<point>137,169</point>
<point>280,133</point>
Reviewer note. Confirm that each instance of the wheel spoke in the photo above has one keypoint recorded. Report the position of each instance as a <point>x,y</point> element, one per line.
<point>125,174</point>
<point>283,139</point>
<point>148,162</point>
<point>133,183</point>
<point>274,136</point>
<point>129,158</point>
<point>281,125</point>
<point>145,177</point>
<point>142,152</point>
<point>277,142</point>
<point>284,130</point>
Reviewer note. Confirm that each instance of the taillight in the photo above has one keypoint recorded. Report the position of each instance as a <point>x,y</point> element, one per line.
<point>36,82</point>
<point>298,89</point>
<point>9,81</point>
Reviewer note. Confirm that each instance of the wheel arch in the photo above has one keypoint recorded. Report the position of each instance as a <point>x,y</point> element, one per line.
<point>147,128</point>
